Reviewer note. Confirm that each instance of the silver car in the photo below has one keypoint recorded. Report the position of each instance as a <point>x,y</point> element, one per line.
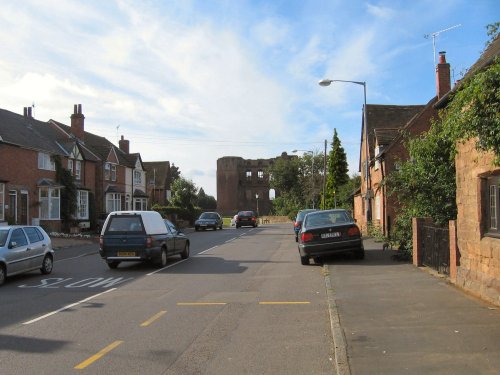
<point>24,248</point>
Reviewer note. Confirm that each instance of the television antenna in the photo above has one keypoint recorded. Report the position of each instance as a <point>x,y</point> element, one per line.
<point>435,34</point>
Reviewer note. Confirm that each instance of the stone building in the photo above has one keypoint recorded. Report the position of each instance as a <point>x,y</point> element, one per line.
<point>243,184</point>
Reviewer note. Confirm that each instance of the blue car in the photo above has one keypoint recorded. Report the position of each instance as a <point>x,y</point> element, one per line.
<point>297,223</point>
<point>208,220</point>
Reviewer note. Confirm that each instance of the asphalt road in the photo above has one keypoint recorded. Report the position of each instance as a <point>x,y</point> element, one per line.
<point>241,304</point>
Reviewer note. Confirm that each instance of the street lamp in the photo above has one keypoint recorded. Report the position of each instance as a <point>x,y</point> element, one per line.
<point>257,199</point>
<point>312,171</point>
<point>328,82</point>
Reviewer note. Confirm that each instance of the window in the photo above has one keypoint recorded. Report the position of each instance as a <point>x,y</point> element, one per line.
<point>82,205</point>
<point>113,202</point>
<point>78,170</point>
<point>2,201</point>
<point>137,177</point>
<point>18,237</point>
<point>260,174</point>
<point>377,207</point>
<point>140,204</point>
<point>249,175</point>
<point>45,162</point>
<point>33,234</point>
<point>113,172</point>
<point>107,171</point>
<point>50,201</point>
<point>493,205</point>
<point>70,166</point>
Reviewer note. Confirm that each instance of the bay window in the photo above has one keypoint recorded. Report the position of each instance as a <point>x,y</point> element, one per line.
<point>50,203</point>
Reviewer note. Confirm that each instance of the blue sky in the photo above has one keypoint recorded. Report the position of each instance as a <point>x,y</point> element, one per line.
<point>193,81</point>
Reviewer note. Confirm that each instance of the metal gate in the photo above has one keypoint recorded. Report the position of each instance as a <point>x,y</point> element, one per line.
<point>436,248</point>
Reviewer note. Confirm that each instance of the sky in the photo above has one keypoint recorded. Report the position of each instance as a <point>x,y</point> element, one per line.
<point>191,81</point>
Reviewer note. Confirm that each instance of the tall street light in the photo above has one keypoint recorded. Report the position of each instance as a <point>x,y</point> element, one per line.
<point>328,82</point>
<point>312,171</point>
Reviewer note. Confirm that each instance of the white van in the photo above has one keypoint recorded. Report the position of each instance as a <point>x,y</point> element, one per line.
<point>140,236</point>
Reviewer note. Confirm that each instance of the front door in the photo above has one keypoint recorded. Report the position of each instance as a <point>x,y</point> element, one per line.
<point>23,209</point>
<point>13,206</point>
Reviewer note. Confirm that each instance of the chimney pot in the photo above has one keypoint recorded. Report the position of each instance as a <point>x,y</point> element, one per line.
<point>443,81</point>
<point>442,57</point>
<point>78,122</point>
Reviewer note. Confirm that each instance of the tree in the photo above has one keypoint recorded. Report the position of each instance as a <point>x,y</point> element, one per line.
<point>205,201</point>
<point>68,193</point>
<point>184,194</point>
<point>174,172</point>
<point>337,172</point>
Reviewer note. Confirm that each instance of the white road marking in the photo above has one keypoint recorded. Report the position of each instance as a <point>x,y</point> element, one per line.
<point>67,307</point>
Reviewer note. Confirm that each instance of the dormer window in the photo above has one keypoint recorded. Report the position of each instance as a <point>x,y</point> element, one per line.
<point>249,174</point>
<point>70,166</point>
<point>78,170</point>
<point>137,177</point>
<point>107,171</point>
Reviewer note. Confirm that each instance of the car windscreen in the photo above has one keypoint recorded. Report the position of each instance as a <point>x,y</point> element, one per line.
<point>327,218</point>
<point>207,215</point>
<point>125,224</point>
<point>3,236</point>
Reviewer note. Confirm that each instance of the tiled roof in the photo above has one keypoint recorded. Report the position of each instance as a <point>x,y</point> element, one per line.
<point>386,121</point>
<point>30,133</point>
<point>158,173</point>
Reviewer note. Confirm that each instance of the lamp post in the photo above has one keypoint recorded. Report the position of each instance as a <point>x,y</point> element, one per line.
<point>312,172</point>
<point>328,82</point>
<point>257,199</point>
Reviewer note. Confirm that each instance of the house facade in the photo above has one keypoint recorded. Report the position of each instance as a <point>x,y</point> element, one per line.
<point>106,177</point>
<point>159,182</point>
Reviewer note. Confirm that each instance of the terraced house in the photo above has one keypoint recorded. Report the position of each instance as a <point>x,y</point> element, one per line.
<point>107,177</point>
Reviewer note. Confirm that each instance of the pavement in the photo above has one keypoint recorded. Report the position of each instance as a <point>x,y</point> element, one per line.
<point>390,317</point>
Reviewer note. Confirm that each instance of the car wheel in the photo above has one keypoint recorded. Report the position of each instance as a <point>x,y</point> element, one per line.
<point>220,227</point>
<point>215,227</point>
<point>113,265</point>
<point>185,252</point>
<point>359,254</point>
<point>304,261</point>
<point>3,273</point>
<point>163,258</point>
<point>47,265</point>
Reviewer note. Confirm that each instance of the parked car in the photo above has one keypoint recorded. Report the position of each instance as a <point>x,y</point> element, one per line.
<point>246,218</point>
<point>140,236</point>
<point>208,220</point>
<point>24,248</point>
<point>329,232</point>
<point>297,223</point>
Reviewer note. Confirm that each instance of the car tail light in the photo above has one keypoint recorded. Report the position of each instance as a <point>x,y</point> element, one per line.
<point>149,242</point>
<point>296,224</point>
<point>253,219</point>
<point>353,231</point>
<point>307,237</point>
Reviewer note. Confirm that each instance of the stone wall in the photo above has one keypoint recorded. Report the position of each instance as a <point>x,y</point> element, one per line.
<point>478,269</point>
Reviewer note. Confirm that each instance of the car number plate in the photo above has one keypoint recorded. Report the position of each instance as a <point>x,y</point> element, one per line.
<point>330,235</point>
<point>126,254</point>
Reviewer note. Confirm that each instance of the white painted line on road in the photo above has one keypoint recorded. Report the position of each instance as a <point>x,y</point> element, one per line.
<point>204,251</point>
<point>79,256</point>
<point>164,268</point>
<point>232,239</point>
<point>67,307</point>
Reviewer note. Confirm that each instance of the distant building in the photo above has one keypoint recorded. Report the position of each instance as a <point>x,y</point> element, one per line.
<point>243,184</point>
<point>159,181</point>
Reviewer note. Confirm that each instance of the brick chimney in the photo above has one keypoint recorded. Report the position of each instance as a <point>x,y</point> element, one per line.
<point>77,122</point>
<point>124,145</point>
<point>443,80</point>
<point>27,112</point>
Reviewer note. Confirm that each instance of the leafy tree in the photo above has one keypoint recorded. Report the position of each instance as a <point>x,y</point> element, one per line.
<point>206,201</point>
<point>175,173</point>
<point>337,172</point>
<point>68,193</point>
<point>345,194</point>
<point>184,194</point>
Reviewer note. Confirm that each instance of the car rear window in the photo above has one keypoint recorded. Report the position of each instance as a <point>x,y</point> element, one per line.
<point>125,224</point>
<point>327,218</point>
<point>33,234</point>
<point>246,214</point>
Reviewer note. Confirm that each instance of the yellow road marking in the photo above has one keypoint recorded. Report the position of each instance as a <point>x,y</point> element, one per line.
<point>200,303</point>
<point>95,357</point>
<point>153,318</point>
<point>285,303</point>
